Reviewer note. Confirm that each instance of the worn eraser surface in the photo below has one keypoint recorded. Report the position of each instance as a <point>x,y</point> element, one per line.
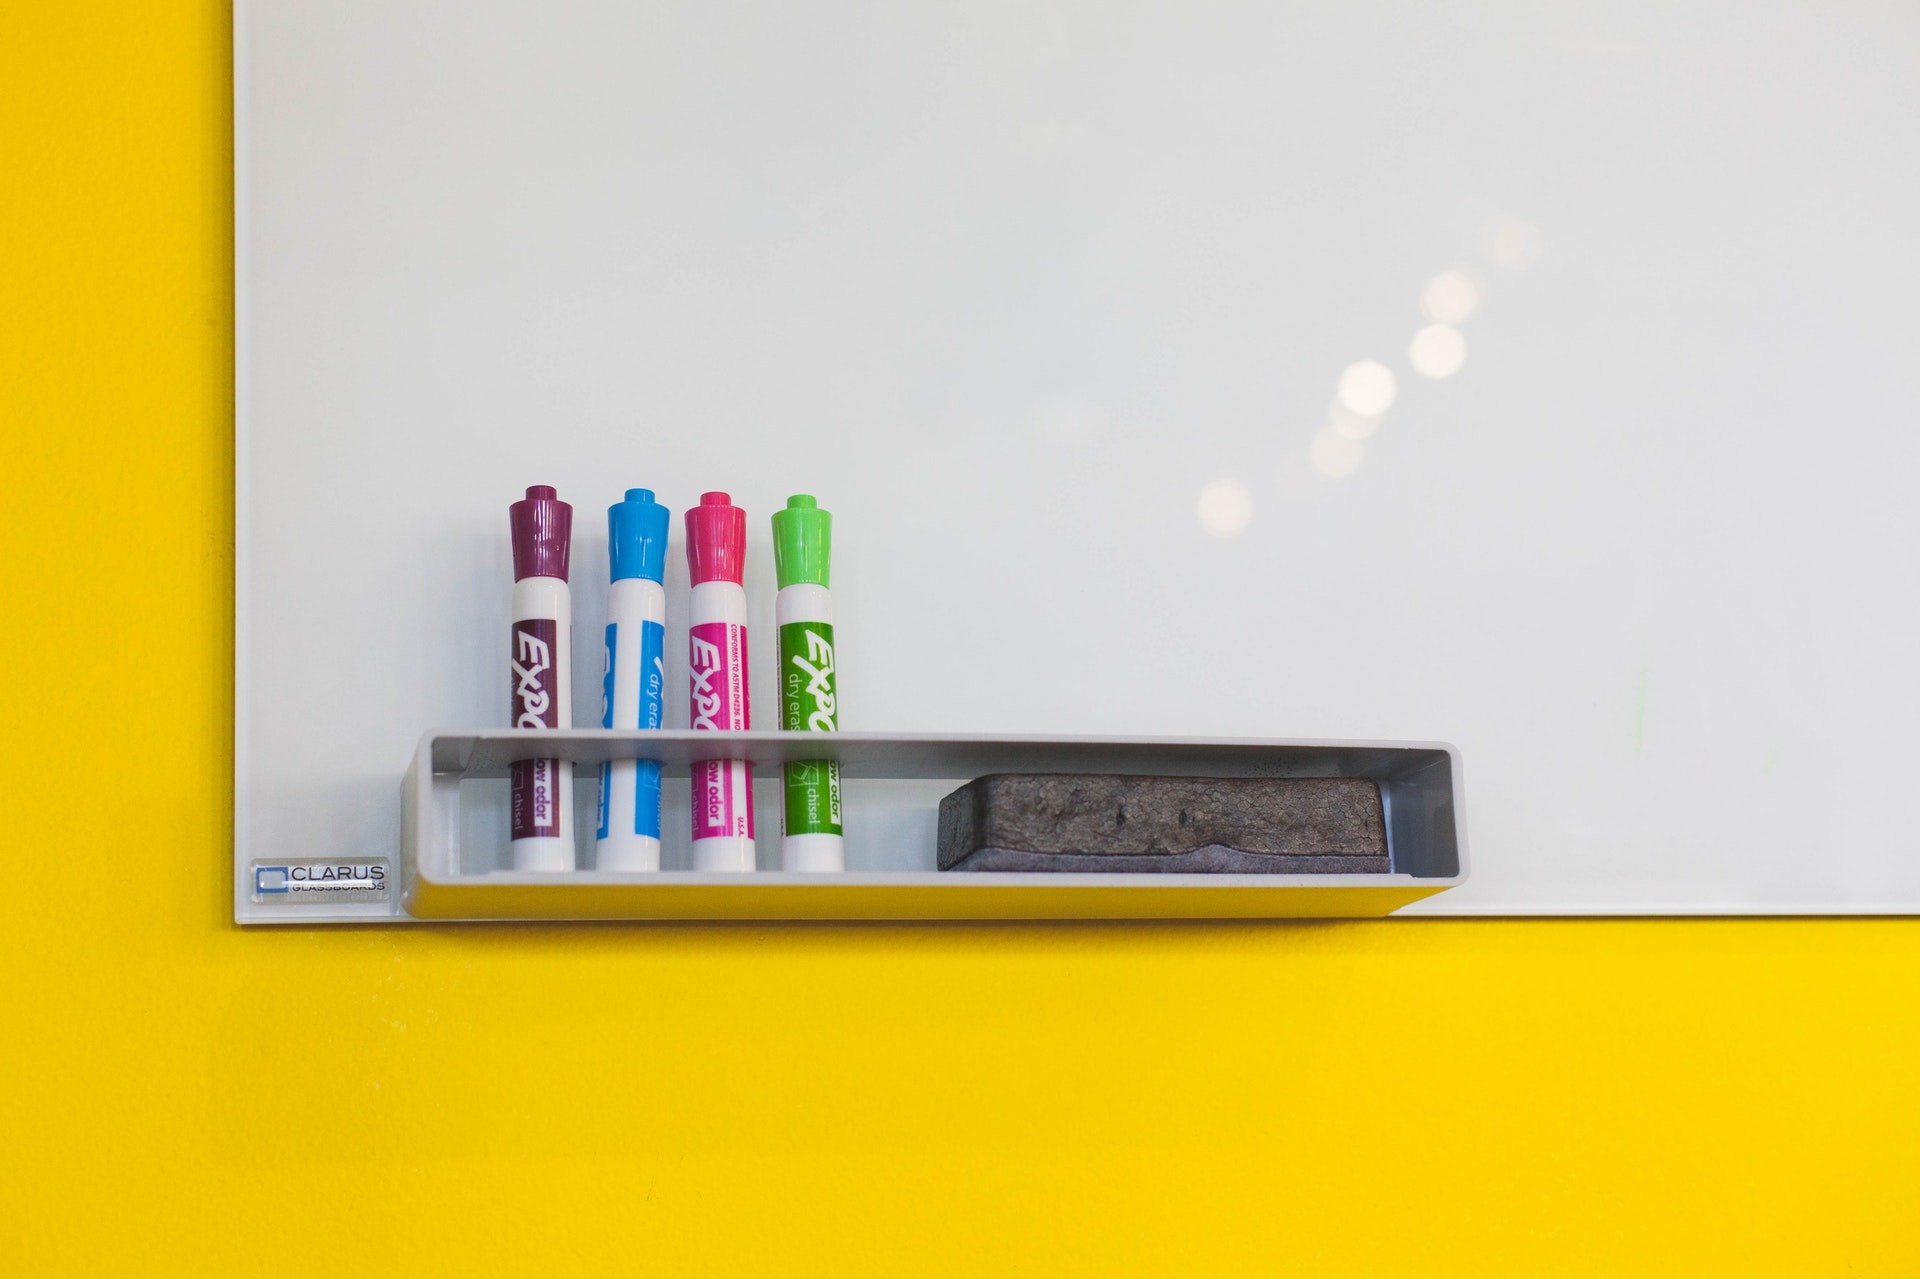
<point>1103,823</point>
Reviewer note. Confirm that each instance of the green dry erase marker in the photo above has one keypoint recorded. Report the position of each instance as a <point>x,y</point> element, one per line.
<point>811,835</point>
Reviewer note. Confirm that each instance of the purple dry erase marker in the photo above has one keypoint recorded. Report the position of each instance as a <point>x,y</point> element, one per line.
<point>542,677</point>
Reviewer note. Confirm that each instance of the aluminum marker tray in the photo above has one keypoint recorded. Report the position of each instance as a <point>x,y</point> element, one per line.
<point>1419,786</point>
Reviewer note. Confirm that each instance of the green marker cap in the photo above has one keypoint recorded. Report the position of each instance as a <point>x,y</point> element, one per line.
<point>802,542</point>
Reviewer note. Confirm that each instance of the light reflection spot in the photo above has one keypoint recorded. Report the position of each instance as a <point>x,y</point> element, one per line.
<point>1368,388</point>
<point>1438,351</point>
<point>1335,455</point>
<point>1512,243</point>
<point>1452,297</point>
<point>1225,508</point>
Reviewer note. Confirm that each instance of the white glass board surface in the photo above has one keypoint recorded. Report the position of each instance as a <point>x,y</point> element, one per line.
<point>1066,312</point>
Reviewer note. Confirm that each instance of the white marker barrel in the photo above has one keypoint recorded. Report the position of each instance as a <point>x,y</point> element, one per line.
<point>811,836</point>
<point>717,685</point>
<point>633,680</point>
<point>541,790</point>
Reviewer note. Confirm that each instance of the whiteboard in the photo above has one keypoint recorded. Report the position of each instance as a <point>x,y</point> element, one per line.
<point>1084,320</point>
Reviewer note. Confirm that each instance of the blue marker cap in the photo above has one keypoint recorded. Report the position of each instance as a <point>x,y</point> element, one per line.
<point>637,536</point>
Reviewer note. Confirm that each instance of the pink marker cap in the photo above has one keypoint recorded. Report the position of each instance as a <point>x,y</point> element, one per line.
<point>542,534</point>
<point>716,540</point>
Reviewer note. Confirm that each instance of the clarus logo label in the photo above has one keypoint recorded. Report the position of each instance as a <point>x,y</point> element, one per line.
<point>350,879</point>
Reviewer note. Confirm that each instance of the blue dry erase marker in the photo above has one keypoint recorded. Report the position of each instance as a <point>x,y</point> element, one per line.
<point>633,680</point>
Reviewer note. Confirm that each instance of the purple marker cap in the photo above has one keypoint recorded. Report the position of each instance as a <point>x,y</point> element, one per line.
<point>542,534</point>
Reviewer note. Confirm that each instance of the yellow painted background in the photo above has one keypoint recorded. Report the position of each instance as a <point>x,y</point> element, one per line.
<point>1404,1098</point>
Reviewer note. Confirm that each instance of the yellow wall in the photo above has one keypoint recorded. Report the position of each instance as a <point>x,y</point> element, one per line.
<point>1415,1098</point>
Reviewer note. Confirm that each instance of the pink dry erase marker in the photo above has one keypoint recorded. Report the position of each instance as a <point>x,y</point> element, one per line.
<point>541,795</point>
<point>717,667</point>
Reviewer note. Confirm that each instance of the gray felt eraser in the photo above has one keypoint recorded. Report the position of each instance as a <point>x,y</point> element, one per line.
<point>1105,823</point>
